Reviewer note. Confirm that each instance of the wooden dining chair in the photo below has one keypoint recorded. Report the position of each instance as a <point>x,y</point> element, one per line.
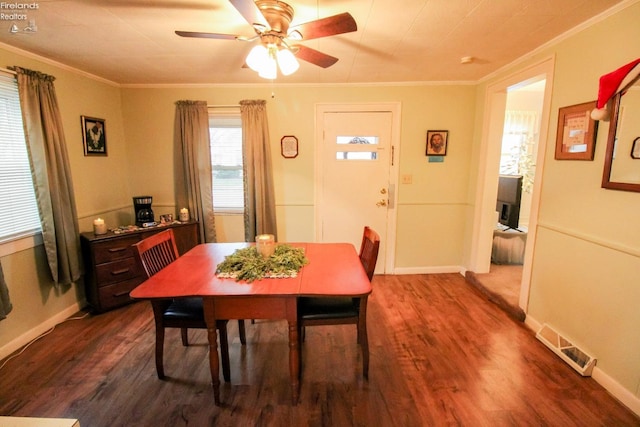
<point>154,253</point>
<point>314,311</point>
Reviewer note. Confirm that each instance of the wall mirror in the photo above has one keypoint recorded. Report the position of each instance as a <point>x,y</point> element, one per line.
<point>622,159</point>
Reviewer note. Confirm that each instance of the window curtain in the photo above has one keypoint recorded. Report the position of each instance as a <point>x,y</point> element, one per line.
<point>5,304</point>
<point>260,206</point>
<point>51,174</point>
<point>520,138</point>
<point>192,160</point>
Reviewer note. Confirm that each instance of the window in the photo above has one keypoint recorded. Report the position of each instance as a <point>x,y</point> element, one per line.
<point>357,147</point>
<point>19,214</point>
<point>225,131</point>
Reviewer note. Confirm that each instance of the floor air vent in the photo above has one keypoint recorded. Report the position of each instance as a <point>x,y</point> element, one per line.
<point>576,358</point>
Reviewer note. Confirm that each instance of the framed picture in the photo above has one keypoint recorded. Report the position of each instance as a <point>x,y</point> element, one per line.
<point>437,141</point>
<point>94,136</point>
<point>635,148</point>
<point>576,135</point>
<point>289,146</point>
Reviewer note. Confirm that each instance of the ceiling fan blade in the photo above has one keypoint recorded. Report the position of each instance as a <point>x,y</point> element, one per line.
<point>314,56</point>
<point>250,12</point>
<point>207,35</point>
<point>337,24</point>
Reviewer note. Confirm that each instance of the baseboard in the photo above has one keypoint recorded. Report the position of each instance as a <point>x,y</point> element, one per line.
<point>532,324</point>
<point>626,397</point>
<point>43,327</point>
<point>429,270</point>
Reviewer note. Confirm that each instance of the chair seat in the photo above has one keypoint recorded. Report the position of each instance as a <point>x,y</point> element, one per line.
<point>185,309</point>
<point>336,310</point>
<point>310,308</point>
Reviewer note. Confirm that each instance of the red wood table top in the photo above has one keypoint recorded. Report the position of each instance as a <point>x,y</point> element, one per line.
<point>333,269</point>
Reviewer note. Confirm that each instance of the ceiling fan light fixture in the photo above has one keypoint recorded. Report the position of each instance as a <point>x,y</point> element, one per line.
<point>257,57</point>
<point>287,62</point>
<point>269,69</point>
<point>271,20</point>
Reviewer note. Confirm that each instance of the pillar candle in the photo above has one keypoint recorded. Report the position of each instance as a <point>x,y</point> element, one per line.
<point>184,215</point>
<point>99,227</point>
<point>265,244</point>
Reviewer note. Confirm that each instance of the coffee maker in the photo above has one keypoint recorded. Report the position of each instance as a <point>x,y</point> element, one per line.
<point>142,206</point>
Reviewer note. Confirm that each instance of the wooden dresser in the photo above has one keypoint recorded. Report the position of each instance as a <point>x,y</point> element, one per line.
<point>111,268</point>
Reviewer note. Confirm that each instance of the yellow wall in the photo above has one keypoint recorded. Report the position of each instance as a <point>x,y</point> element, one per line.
<point>433,206</point>
<point>100,185</point>
<point>586,265</point>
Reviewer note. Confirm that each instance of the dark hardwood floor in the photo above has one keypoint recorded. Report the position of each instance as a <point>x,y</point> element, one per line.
<point>441,355</point>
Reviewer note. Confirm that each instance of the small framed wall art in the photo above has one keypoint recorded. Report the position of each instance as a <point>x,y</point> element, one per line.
<point>289,146</point>
<point>635,148</point>
<point>94,136</point>
<point>437,141</point>
<point>576,135</point>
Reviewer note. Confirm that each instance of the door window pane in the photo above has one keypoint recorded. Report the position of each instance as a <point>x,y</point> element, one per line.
<point>356,148</point>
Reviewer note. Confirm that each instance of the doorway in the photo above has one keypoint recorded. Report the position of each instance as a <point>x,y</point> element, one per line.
<point>484,222</point>
<point>520,141</point>
<point>356,173</point>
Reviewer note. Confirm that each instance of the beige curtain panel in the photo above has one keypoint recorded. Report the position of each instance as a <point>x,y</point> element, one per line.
<point>5,303</point>
<point>260,206</point>
<point>51,174</point>
<point>192,165</point>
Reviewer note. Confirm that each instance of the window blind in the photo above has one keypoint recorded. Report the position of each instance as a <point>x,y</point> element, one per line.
<point>19,214</point>
<point>226,162</point>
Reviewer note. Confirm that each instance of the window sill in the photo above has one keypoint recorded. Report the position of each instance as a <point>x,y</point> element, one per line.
<point>21,244</point>
<point>230,212</point>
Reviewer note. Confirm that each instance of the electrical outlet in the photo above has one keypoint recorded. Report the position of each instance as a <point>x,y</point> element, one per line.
<point>407,179</point>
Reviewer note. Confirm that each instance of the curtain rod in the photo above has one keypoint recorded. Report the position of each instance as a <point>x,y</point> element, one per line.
<point>5,70</point>
<point>224,106</point>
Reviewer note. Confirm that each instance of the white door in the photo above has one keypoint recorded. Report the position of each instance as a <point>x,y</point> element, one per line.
<point>355,177</point>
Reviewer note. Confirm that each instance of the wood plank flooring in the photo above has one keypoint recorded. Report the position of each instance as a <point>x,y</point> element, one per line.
<point>441,355</point>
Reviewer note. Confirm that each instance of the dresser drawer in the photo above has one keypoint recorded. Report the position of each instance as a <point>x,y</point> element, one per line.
<point>118,271</point>
<point>114,249</point>
<point>117,294</point>
<point>112,269</point>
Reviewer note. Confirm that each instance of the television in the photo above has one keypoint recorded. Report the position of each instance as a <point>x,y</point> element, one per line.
<point>508,200</point>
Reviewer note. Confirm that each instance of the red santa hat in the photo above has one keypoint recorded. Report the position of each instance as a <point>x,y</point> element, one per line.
<point>611,84</point>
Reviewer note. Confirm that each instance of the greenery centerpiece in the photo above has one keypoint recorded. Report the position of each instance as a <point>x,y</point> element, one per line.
<point>247,263</point>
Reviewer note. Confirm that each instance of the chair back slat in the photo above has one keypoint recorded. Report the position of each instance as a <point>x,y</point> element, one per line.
<point>157,251</point>
<point>369,251</point>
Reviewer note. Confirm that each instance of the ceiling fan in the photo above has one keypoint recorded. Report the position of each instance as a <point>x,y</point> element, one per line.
<point>270,20</point>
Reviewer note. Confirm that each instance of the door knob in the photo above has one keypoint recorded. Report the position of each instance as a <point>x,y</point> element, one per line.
<point>383,191</point>
<point>382,202</point>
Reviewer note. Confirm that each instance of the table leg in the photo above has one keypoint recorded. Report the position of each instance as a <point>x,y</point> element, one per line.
<point>294,360</point>
<point>210,318</point>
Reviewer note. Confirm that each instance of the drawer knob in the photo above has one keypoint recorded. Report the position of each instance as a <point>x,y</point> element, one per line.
<point>117,249</point>
<point>117,272</point>
<point>120,294</point>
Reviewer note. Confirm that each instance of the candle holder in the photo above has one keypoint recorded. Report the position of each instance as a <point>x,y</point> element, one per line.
<point>184,215</point>
<point>265,244</point>
<point>99,227</point>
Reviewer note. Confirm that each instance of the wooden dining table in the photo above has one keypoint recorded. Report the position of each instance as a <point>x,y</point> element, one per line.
<point>334,269</point>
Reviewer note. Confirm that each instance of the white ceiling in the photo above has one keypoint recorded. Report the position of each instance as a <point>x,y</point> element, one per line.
<point>133,41</point>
